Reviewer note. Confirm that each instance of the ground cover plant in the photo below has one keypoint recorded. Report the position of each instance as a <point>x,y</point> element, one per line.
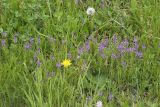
<point>79,53</point>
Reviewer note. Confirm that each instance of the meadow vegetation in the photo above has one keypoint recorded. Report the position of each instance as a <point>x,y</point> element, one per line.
<point>54,54</point>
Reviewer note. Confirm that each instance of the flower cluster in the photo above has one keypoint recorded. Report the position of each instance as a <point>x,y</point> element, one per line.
<point>113,47</point>
<point>116,47</point>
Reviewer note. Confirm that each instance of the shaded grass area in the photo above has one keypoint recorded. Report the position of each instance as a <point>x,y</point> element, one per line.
<point>115,54</point>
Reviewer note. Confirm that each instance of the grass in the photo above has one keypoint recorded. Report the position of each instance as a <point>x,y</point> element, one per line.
<point>37,35</point>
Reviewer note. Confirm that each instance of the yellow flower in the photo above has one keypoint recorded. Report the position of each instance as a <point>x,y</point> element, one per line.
<point>66,63</point>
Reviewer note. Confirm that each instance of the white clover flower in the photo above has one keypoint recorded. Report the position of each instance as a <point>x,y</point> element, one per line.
<point>90,11</point>
<point>99,104</point>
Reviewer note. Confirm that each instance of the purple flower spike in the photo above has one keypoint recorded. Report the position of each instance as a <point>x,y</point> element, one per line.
<point>126,43</point>
<point>136,46</point>
<point>87,46</point>
<point>139,54</point>
<point>106,41</point>
<point>80,50</point>
<point>58,65</point>
<point>121,47</point>
<point>101,47</point>
<point>130,49</point>
<point>3,42</point>
<point>27,46</point>
<point>38,63</point>
<point>110,97</point>
<point>114,39</point>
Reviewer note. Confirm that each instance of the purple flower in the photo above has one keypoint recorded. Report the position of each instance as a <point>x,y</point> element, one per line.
<point>122,47</point>
<point>27,46</point>
<point>136,45</point>
<point>106,41</point>
<point>135,41</point>
<point>38,63</point>
<point>125,42</point>
<point>87,45</point>
<point>114,39</point>
<point>80,50</point>
<point>58,65</point>
<point>101,47</point>
<point>3,42</point>
<point>110,97</point>
<point>36,53</point>
<point>131,49</point>
<point>139,54</point>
